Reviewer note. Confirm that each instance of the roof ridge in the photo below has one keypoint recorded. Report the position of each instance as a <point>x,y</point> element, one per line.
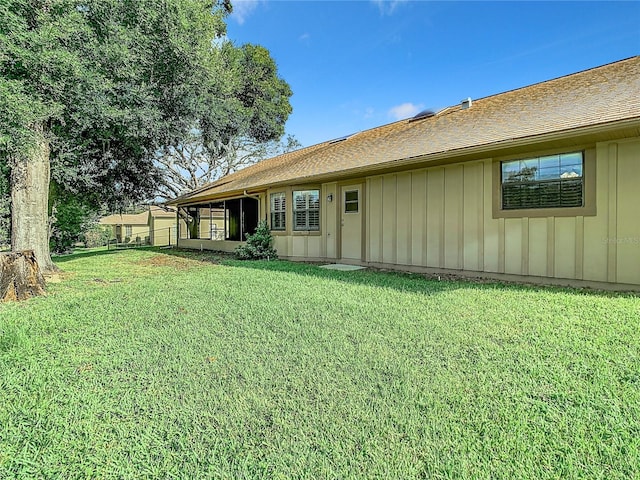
<point>549,80</point>
<point>545,107</point>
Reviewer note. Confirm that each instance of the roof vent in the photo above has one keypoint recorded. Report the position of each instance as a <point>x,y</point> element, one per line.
<point>423,114</point>
<point>466,103</point>
<point>341,139</point>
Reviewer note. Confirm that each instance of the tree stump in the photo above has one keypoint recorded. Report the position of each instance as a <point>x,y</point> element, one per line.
<point>20,276</point>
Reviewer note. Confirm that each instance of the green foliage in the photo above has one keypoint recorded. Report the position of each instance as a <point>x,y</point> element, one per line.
<point>300,372</point>
<point>258,246</point>
<point>70,219</point>
<point>97,235</point>
<point>113,81</point>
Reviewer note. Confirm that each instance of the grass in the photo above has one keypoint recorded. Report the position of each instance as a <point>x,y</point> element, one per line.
<point>146,364</point>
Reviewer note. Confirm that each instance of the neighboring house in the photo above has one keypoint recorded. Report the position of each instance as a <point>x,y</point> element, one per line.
<point>156,226</point>
<point>162,226</point>
<point>541,183</point>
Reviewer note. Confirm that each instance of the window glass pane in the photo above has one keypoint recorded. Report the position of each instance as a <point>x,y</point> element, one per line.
<point>551,181</point>
<point>277,211</point>
<point>306,210</point>
<point>351,207</point>
<point>299,201</point>
<point>300,220</point>
<point>571,165</point>
<point>508,170</point>
<point>351,196</point>
<point>549,167</point>
<point>314,219</point>
<point>314,199</point>
<point>571,159</point>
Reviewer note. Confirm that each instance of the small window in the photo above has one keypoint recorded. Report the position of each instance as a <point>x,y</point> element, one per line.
<point>278,209</point>
<point>306,210</point>
<point>351,201</point>
<point>128,230</point>
<point>553,181</point>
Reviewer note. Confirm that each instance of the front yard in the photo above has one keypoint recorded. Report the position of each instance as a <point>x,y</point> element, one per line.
<point>144,364</point>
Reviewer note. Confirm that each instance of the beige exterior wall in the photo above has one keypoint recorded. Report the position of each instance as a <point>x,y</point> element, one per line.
<point>141,231</point>
<point>163,231</point>
<point>200,244</point>
<point>442,217</point>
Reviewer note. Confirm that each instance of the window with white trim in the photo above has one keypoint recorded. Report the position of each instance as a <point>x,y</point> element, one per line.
<point>552,181</point>
<point>306,210</point>
<point>278,211</point>
<point>128,230</point>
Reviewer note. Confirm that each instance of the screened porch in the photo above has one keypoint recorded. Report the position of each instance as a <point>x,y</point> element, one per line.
<point>227,220</point>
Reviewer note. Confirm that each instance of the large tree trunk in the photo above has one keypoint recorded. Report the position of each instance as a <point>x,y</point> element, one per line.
<point>20,277</point>
<point>29,201</point>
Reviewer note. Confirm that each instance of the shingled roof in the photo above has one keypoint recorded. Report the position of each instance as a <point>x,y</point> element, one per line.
<point>136,218</point>
<point>126,219</point>
<point>598,96</point>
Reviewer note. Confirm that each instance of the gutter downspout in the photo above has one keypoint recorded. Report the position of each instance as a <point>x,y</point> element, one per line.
<point>246,194</point>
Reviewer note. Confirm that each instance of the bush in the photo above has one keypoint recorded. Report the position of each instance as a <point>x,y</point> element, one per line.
<point>97,236</point>
<point>69,220</point>
<point>258,246</point>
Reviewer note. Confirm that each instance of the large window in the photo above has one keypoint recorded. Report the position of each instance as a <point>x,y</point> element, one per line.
<point>553,181</point>
<point>278,208</point>
<point>306,210</point>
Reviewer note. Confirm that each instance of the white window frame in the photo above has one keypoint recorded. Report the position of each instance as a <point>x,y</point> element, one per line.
<point>352,202</point>
<point>308,210</point>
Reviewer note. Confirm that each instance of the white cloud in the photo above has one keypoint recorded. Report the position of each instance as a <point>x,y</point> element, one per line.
<point>242,9</point>
<point>304,37</point>
<point>404,110</point>
<point>387,7</point>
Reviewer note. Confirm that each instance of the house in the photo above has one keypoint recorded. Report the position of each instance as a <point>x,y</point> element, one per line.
<point>538,184</point>
<point>162,226</point>
<point>156,226</point>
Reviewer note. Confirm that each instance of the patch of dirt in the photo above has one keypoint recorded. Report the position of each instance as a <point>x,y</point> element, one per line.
<point>176,262</point>
<point>103,281</point>
<point>57,277</point>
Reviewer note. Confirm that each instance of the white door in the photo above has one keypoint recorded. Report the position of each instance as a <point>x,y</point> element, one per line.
<point>351,222</point>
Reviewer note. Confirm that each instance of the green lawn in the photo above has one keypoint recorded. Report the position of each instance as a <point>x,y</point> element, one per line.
<point>142,364</point>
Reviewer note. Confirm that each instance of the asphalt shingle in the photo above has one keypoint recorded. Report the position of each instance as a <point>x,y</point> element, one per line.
<point>592,97</point>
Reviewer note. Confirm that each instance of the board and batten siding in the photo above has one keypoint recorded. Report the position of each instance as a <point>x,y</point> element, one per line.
<point>441,217</point>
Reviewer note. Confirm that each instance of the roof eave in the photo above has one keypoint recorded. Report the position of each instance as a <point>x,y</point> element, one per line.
<point>435,157</point>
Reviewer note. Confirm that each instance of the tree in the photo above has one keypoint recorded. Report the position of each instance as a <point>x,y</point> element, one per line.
<point>5,211</point>
<point>191,165</point>
<point>91,90</point>
<point>256,107</point>
<point>70,217</point>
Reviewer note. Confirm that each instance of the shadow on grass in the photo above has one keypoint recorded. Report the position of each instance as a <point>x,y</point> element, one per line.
<point>403,281</point>
<point>97,253</point>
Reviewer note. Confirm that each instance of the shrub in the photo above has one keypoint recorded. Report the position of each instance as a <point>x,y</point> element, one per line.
<point>97,236</point>
<point>70,218</point>
<point>258,246</point>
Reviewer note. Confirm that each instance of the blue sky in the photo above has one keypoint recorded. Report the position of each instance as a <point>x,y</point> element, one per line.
<point>354,65</point>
